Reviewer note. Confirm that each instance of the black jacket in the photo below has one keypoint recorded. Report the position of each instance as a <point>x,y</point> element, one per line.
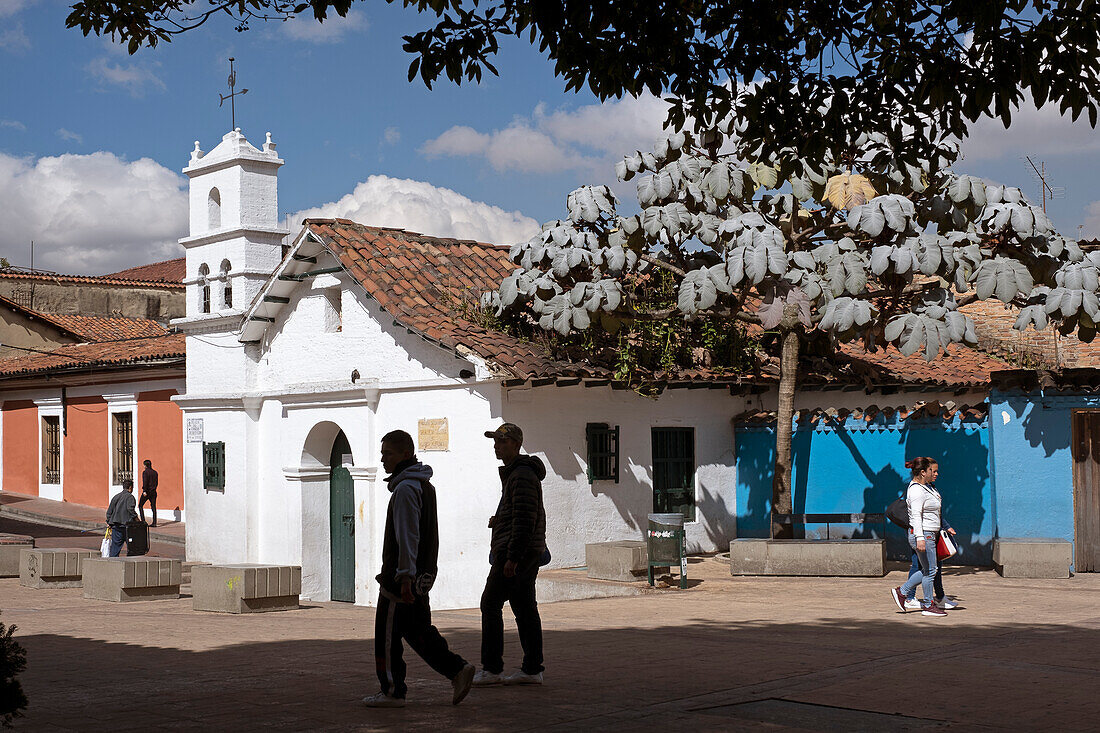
<point>149,480</point>
<point>410,546</point>
<point>519,526</point>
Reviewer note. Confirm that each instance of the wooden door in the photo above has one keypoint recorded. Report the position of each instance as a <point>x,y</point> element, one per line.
<point>341,523</point>
<point>1086,490</point>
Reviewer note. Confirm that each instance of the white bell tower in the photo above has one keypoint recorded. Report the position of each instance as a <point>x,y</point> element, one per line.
<point>235,240</point>
<point>235,243</point>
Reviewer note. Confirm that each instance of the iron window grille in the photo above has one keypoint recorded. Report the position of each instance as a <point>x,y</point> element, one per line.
<point>123,468</point>
<point>51,450</point>
<point>213,466</point>
<point>228,293</point>
<point>603,452</point>
<point>674,471</point>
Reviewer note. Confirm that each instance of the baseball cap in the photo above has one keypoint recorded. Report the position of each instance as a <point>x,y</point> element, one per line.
<point>507,430</point>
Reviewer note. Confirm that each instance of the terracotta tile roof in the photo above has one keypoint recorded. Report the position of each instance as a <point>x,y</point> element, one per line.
<point>172,271</point>
<point>428,283</point>
<point>92,328</point>
<point>15,273</point>
<point>963,367</point>
<point>101,328</point>
<point>90,356</point>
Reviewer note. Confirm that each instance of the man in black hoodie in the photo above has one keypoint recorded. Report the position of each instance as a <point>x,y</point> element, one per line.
<point>410,550</point>
<point>517,550</point>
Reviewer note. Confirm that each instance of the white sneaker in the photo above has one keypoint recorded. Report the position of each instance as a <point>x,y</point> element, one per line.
<point>382,700</point>
<point>461,684</point>
<point>485,678</point>
<point>522,678</point>
<point>912,605</point>
<point>948,602</point>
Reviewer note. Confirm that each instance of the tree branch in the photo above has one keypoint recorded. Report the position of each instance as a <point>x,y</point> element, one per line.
<point>662,264</point>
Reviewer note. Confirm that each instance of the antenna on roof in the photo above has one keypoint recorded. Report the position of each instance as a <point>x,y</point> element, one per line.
<point>232,95</point>
<point>1039,173</point>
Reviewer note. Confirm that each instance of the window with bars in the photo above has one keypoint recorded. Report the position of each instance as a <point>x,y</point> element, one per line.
<point>122,467</point>
<point>213,466</point>
<point>227,288</point>
<point>674,471</point>
<point>51,450</point>
<point>603,452</point>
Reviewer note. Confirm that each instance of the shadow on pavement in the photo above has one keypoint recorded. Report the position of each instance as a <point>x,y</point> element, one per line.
<point>696,674</point>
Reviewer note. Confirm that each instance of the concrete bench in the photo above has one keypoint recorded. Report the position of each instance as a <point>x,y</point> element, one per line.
<point>140,578</point>
<point>618,560</point>
<point>830,558</point>
<point>52,567</point>
<point>1038,557</point>
<point>245,588</point>
<point>11,545</point>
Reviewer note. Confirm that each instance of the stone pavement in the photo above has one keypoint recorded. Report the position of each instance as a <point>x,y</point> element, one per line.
<point>65,515</point>
<point>727,654</point>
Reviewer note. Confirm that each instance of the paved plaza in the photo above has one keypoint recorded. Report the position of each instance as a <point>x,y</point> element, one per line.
<point>726,654</point>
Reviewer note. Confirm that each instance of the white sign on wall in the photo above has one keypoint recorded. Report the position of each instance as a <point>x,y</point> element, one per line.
<point>194,430</point>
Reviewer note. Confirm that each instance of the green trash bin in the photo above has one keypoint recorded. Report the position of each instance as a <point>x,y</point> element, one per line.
<point>665,544</point>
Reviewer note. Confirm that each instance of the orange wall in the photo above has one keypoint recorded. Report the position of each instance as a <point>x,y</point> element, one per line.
<point>85,473</point>
<point>21,447</point>
<point>160,440</point>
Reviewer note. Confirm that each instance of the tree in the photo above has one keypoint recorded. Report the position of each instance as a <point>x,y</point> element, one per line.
<point>868,249</point>
<point>815,75</point>
<point>13,660</point>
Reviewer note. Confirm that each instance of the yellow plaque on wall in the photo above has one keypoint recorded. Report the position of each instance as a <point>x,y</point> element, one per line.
<point>433,434</point>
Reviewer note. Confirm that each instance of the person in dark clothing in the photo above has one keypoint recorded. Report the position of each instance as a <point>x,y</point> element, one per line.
<point>517,550</point>
<point>410,550</point>
<point>149,480</point>
<point>120,512</point>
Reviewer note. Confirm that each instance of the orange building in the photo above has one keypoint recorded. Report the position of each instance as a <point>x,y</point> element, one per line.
<point>86,398</point>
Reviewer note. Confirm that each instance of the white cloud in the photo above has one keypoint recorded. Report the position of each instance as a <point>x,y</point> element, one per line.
<point>334,29</point>
<point>134,78</point>
<point>14,39</point>
<point>391,135</point>
<point>9,8</point>
<point>587,139</point>
<point>14,125</point>
<point>1042,132</point>
<point>70,135</point>
<point>91,214</point>
<point>424,208</point>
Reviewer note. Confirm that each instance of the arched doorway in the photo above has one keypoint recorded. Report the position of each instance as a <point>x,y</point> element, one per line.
<point>341,521</point>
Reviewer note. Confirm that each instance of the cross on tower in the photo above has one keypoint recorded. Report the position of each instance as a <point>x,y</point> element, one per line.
<point>232,95</point>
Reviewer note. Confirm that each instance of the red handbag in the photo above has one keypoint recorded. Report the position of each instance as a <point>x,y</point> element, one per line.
<point>945,546</point>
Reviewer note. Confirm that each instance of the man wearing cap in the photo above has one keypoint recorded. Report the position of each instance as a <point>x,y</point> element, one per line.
<point>518,548</point>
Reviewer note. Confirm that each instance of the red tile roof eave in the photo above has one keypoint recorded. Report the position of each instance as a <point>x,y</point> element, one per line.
<point>92,280</point>
<point>159,361</point>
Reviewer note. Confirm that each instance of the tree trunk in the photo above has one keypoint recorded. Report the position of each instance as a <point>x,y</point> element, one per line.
<point>781,481</point>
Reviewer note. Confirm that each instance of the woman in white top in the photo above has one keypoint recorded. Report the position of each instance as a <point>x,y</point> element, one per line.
<point>924,505</point>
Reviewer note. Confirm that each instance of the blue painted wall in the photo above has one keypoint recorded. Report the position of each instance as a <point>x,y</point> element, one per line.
<point>1033,482</point>
<point>860,468</point>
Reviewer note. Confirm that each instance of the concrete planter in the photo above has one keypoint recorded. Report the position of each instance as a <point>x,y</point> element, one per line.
<point>245,587</point>
<point>53,567</point>
<point>131,578</point>
<point>11,545</point>
<point>830,558</point>
<point>1033,557</point>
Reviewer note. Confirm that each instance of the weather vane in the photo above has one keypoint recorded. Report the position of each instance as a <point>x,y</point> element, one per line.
<point>232,94</point>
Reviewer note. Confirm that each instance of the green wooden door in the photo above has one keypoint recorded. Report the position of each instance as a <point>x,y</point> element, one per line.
<point>341,523</point>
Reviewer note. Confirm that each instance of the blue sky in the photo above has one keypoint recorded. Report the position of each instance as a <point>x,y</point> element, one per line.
<point>92,140</point>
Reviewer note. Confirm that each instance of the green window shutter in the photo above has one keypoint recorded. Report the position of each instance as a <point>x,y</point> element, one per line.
<point>674,471</point>
<point>603,452</point>
<point>213,466</point>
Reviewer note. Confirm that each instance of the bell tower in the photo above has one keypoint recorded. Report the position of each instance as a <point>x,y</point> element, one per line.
<point>235,240</point>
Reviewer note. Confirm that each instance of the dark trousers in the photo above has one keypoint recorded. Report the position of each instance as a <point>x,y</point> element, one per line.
<point>395,622</point>
<point>519,591</point>
<point>152,499</point>
<point>118,539</point>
